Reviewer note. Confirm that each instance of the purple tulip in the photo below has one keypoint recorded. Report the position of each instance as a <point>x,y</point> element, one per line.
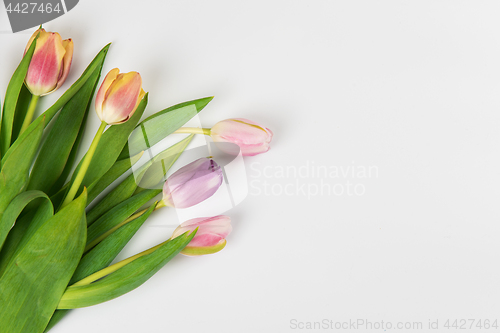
<point>210,237</point>
<point>192,183</point>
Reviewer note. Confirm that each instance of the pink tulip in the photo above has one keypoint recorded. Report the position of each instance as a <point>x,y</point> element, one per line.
<point>252,138</point>
<point>118,97</point>
<point>50,64</point>
<point>210,237</point>
<point>192,183</point>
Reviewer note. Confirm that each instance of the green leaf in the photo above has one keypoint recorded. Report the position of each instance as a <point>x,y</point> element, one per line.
<point>106,251</point>
<point>161,124</point>
<point>61,181</point>
<point>120,193</point>
<point>59,196</point>
<point>148,176</point>
<point>109,147</point>
<point>102,255</point>
<point>12,96</point>
<point>35,279</point>
<point>119,214</point>
<point>16,165</point>
<point>16,206</point>
<point>23,230</point>
<point>56,317</point>
<point>126,278</point>
<point>152,175</point>
<point>118,169</point>
<point>57,147</point>
<point>21,109</point>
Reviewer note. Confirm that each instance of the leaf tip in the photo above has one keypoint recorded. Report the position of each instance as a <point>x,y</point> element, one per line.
<point>83,196</point>
<point>202,102</point>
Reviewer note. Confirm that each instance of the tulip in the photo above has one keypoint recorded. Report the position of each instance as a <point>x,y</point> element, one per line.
<point>251,137</point>
<point>50,64</point>
<point>48,69</point>
<point>115,102</point>
<point>192,183</point>
<point>210,237</point>
<point>118,96</point>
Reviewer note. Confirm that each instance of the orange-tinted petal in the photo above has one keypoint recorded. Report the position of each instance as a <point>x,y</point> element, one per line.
<point>66,65</point>
<point>99,99</point>
<point>32,38</point>
<point>139,99</point>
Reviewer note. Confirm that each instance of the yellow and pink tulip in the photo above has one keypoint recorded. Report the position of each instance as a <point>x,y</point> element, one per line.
<point>118,96</point>
<point>50,64</point>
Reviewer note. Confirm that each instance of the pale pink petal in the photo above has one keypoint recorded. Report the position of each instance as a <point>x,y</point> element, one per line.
<point>106,83</point>
<point>251,137</point>
<point>211,230</point>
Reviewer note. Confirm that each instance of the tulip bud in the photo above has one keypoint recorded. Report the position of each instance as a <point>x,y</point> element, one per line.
<point>210,237</point>
<point>252,138</point>
<point>118,96</point>
<point>192,183</point>
<point>50,64</point>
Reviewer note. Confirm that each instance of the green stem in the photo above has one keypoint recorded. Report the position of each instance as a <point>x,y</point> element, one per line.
<point>110,269</point>
<point>110,231</point>
<point>85,165</point>
<point>193,130</point>
<point>29,113</point>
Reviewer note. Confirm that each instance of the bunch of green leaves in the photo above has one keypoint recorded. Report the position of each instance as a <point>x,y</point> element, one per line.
<point>54,259</point>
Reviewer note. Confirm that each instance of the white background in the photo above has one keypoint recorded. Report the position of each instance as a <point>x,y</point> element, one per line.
<point>410,88</point>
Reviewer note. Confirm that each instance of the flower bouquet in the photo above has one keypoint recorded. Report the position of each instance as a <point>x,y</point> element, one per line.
<point>55,249</point>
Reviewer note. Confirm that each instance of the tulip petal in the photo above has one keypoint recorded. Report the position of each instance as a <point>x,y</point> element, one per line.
<point>68,57</point>
<point>210,237</point>
<point>252,138</point>
<point>121,98</point>
<point>206,240</point>
<point>192,183</point>
<point>45,67</point>
<point>196,191</point>
<point>106,83</point>
<point>139,99</point>
<point>222,220</point>
<point>242,131</point>
<point>252,150</point>
<point>187,172</point>
<point>220,224</point>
